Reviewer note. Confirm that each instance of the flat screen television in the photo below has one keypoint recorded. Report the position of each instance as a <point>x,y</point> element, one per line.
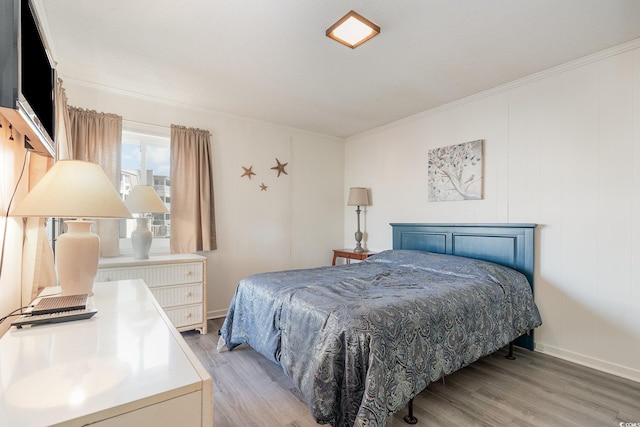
<point>27,91</point>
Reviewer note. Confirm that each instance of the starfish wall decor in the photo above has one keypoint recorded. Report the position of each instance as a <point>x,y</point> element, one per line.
<point>247,172</point>
<point>280,168</point>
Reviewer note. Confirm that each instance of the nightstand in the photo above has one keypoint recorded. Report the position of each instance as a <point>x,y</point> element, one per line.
<point>349,254</point>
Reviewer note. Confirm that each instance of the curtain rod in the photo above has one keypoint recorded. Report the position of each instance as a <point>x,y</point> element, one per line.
<point>150,125</point>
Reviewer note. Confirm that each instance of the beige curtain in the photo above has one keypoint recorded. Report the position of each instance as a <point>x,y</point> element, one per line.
<point>192,208</point>
<point>38,267</point>
<point>96,137</point>
<point>63,126</point>
<point>38,270</point>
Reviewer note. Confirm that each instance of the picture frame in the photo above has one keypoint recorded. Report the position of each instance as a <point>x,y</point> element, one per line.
<point>455,172</point>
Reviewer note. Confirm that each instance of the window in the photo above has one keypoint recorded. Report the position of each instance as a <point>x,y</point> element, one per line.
<point>146,161</point>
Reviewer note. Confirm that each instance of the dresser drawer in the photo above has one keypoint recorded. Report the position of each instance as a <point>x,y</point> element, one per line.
<point>178,282</point>
<point>185,315</point>
<point>155,275</point>
<point>178,295</point>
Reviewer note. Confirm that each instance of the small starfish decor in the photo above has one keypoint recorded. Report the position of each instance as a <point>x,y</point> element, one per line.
<point>247,172</point>
<point>263,187</point>
<point>280,167</point>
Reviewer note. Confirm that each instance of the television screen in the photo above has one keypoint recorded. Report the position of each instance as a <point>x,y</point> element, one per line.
<point>37,73</point>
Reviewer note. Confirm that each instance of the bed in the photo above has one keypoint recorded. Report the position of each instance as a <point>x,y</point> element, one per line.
<point>361,340</point>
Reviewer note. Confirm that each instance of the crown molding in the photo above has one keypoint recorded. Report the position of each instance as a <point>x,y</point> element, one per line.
<point>184,106</point>
<point>563,68</point>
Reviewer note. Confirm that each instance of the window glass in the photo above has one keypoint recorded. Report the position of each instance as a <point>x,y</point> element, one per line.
<point>146,161</point>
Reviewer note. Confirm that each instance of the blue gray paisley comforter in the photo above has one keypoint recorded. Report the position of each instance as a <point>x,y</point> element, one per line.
<point>361,340</point>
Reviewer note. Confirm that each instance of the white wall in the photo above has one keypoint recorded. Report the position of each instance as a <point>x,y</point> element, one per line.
<point>294,224</point>
<point>562,149</point>
<point>12,156</point>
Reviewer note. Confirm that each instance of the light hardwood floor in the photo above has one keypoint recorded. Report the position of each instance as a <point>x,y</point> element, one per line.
<point>533,390</point>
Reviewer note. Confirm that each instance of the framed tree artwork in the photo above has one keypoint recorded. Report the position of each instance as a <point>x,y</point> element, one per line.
<point>455,172</point>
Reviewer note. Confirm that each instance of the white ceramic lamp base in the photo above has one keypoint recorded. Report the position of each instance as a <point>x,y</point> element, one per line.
<point>141,239</point>
<point>77,254</point>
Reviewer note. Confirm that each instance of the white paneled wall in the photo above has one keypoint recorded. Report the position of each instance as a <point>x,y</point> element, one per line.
<point>562,149</point>
<point>293,224</point>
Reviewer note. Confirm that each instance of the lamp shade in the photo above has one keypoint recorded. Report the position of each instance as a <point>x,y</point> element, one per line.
<point>358,196</point>
<point>144,199</point>
<point>73,189</point>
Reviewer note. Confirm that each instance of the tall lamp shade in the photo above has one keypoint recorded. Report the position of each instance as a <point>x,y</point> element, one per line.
<point>358,196</point>
<point>79,190</point>
<point>142,200</point>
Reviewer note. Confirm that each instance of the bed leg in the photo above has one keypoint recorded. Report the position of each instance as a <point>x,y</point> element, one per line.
<point>409,418</point>
<point>510,356</point>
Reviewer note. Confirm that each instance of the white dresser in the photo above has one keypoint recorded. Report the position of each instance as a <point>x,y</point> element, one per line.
<point>179,283</point>
<point>126,366</point>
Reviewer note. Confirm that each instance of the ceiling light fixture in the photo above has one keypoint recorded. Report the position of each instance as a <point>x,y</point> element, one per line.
<point>352,30</point>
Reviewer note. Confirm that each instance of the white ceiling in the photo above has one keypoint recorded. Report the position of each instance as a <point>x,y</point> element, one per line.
<point>270,60</point>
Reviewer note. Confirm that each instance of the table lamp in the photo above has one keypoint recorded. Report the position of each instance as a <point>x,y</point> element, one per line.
<point>358,196</point>
<point>143,200</point>
<point>74,189</point>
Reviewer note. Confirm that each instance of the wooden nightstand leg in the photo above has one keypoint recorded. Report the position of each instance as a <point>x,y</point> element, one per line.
<point>334,259</point>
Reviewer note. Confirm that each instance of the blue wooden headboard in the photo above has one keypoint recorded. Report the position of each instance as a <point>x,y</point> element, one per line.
<point>511,245</point>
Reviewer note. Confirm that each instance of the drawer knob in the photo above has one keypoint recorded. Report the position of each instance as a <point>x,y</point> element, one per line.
<point>107,279</point>
<point>189,273</point>
<point>189,294</point>
<point>188,315</point>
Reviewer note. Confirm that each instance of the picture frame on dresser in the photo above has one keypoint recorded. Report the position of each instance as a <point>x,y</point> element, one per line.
<point>177,281</point>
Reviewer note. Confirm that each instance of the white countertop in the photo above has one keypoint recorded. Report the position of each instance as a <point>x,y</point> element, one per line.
<point>127,354</point>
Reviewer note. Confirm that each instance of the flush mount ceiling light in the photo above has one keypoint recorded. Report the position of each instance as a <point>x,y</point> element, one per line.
<point>352,30</point>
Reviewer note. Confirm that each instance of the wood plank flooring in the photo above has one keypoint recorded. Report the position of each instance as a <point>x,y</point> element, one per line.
<point>533,390</point>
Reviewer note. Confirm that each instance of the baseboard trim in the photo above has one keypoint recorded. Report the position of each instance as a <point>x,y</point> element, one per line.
<point>590,362</point>
<point>216,314</point>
